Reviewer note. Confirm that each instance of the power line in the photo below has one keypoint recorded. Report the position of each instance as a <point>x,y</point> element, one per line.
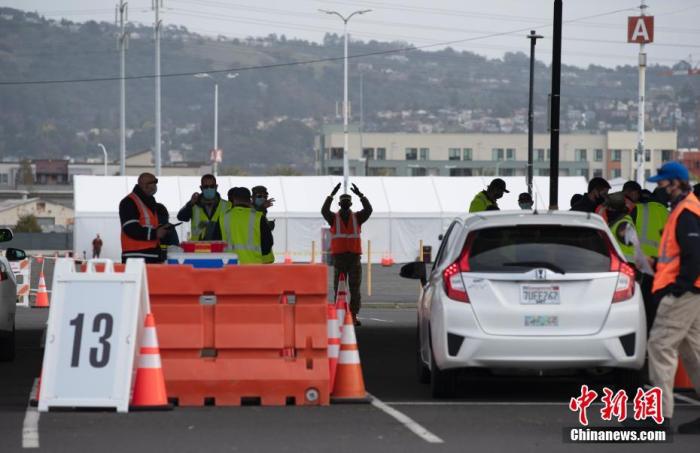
<point>295,63</point>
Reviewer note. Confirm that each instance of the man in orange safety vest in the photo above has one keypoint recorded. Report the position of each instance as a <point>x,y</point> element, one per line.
<point>346,242</point>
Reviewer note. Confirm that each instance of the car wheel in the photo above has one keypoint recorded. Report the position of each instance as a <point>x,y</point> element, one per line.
<point>628,380</point>
<point>7,346</point>
<point>422,370</point>
<point>443,382</point>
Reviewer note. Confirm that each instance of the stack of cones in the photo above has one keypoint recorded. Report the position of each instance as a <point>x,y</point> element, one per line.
<point>333,341</point>
<point>349,386</point>
<point>42,296</point>
<point>149,386</point>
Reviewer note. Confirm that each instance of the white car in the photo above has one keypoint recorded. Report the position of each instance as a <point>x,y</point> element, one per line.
<point>8,298</point>
<point>528,291</point>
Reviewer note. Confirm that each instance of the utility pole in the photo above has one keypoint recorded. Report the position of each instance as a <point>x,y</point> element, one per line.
<point>554,111</point>
<point>346,139</point>
<point>533,37</point>
<point>157,4</point>
<point>641,105</point>
<point>123,42</point>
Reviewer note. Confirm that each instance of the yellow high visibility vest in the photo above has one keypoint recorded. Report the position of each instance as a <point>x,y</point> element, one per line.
<point>240,228</point>
<point>200,219</point>
<point>649,222</point>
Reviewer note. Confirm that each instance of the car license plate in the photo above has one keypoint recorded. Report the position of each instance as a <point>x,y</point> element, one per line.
<point>541,321</point>
<point>539,295</point>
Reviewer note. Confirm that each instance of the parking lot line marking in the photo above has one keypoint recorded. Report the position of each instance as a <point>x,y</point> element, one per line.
<point>686,399</point>
<point>407,421</point>
<point>377,319</point>
<point>30,426</point>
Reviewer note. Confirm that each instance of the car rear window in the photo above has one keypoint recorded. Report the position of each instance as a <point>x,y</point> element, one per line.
<point>523,247</point>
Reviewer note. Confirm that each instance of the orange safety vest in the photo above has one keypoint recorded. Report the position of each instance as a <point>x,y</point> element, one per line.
<point>147,218</point>
<point>669,265</point>
<point>345,238</point>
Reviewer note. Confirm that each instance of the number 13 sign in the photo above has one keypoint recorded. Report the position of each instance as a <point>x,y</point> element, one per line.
<point>93,335</point>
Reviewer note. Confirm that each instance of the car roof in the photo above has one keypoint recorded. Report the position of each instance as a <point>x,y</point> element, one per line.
<point>489,219</point>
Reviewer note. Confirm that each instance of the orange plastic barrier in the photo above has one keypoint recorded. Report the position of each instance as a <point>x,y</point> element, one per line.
<point>242,334</point>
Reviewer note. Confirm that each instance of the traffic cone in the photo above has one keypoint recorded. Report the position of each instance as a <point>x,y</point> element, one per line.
<point>341,300</point>
<point>34,402</point>
<point>287,258</point>
<point>149,386</point>
<point>42,297</point>
<point>349,383</point>
<point>333,341</point>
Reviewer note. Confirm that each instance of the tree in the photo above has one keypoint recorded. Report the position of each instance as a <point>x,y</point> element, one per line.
<point>27,224</point>
<point>25,176</point>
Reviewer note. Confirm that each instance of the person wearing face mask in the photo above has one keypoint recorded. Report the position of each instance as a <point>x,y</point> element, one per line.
<point>525,201</point>
<point>592,201</point>
<point>346,242</point>
<point>204,210</point>
<point>138,213</point>
<point>261,203</point>
<point>244,229</point>
<point>487,200</point>
<point>676,329</point>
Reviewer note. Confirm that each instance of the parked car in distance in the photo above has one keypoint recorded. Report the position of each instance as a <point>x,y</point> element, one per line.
<point>8,297</point>
<point>528,291</point>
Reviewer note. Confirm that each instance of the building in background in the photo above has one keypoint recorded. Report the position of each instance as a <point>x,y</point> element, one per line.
<point>691,159</point>
<point>51,217</point>
<point>610,155</point>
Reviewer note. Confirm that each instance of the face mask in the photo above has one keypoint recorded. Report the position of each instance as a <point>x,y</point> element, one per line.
<point>345,205</point>
<point>525,205</point>
<point>209,193</point>
<point>661,196</point>
<point>155,189</point>
<point>259,202</point>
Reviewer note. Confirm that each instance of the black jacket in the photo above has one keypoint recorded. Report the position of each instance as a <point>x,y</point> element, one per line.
<point>362,215</point>
<point>128,212</point>
<point>585,205</point>
<point>213,232</point>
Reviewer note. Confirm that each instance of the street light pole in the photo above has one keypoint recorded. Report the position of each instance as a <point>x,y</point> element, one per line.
<point>205,75</point>
<point>157,4</point>
<point>640,113</point>
<point>104,150</point>
<point>554,110</point>
<point>346,138</point>
<point>533,37</point>
<point>123,43</point>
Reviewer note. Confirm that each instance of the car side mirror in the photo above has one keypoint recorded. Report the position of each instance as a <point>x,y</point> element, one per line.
<point>5,234</point>
<point>414,270</point>
<point>15,254</point>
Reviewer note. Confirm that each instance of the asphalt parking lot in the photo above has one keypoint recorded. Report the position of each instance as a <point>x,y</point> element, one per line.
<point>503,413</point>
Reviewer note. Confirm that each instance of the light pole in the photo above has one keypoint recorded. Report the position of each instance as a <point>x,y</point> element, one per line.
<point>554,109</point>
<point>157,4</point>
<point>204,75</point>
<point>346,142</point>
<point>640,107</point>
<point>104,150</point>
<point>533,37</point>
<point>122,10</point>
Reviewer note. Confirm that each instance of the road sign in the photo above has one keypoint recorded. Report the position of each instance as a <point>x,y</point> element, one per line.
<point>93,335</point>
<point>640,29</point>
<point>216,155</point>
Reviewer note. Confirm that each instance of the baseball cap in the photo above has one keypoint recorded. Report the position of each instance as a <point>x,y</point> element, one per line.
<point>523,197</point>
<point>670,170</point>
<point>498,183</point>
<point>345,196</point>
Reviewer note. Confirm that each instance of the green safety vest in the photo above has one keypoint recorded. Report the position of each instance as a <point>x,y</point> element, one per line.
<point>199,220</point>
<point>481,202</point>
<point>269,258</point>
<point>650,221</point>
<point>627,250</point>
<point>240,228</point>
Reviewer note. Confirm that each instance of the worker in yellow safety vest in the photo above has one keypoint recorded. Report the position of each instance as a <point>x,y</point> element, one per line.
<point>676,329</point>
<point>487,200</point>
<point>204,210</point>
<point>244,229</point>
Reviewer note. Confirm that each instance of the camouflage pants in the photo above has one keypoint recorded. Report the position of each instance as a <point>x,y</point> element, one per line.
<point>349,264</point>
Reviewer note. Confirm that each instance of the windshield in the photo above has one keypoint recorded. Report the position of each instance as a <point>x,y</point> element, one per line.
<point>520,248</point>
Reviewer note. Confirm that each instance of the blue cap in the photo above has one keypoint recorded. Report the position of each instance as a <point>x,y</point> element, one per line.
<point>671,170</point>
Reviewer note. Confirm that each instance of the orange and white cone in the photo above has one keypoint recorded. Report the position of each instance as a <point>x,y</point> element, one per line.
<point>149,386</point>
<point>349,383</point>
<point>287,258</point>
<point>42,297</point>
<point>333,341</point>
<point>341,300</point>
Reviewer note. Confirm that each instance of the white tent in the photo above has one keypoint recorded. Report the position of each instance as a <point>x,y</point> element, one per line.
<point>406,209</point>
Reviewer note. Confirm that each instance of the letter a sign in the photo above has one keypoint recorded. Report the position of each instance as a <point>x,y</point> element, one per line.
<point>640,29</point>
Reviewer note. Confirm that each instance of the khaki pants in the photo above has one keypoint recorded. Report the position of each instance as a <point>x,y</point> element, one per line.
<point>676,330</point>
<point>349,264</point>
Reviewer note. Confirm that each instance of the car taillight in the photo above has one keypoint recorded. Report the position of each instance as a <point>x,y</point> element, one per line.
<point>452,275</point>
<point>624,289</point>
